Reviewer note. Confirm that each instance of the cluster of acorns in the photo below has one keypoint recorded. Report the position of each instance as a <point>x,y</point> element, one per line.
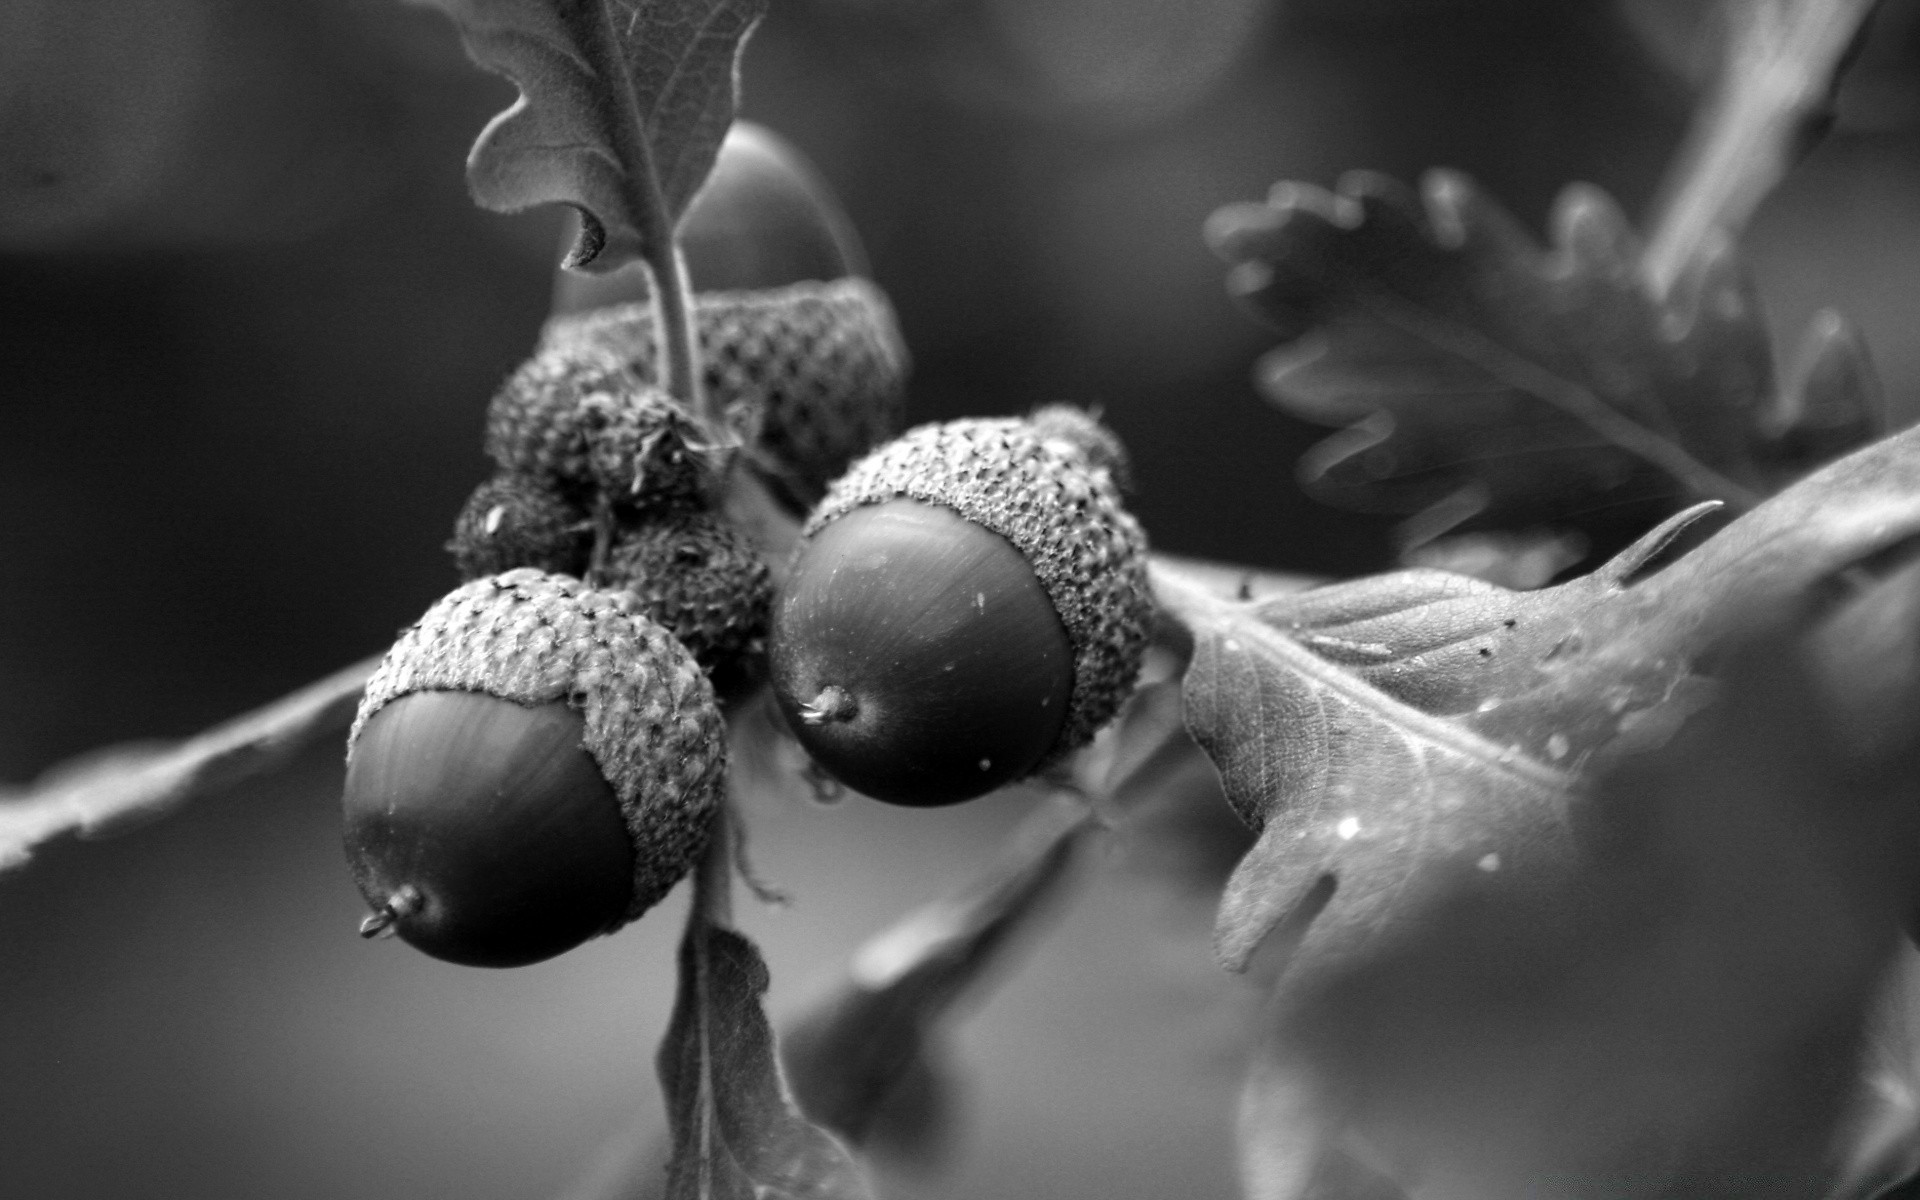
<point>539,758</point>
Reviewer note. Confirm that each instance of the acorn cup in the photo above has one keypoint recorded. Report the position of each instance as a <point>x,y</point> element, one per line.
<point>534,763</point>
<point>579,420</point>
<point>970,603</point>
<point>803,352</point>
<point>520,521</point>
<point>697,575</point>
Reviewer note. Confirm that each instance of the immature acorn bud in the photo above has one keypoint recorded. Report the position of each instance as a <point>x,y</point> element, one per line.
<point>814,373</point>
<point>802,351</point>
<point>970,603</point>
<point>696,575</point>
<point>578,416</point>
<point>533,764</point>
<point>520,521</point>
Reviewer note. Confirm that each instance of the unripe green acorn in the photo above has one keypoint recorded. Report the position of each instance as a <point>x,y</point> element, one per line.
<point>969,604</point>
<point>699,577</point>
<point>520,521</point>
<point>579,417</point>
<point>534,763</point>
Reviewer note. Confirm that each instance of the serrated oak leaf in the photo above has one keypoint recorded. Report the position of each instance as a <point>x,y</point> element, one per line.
<point>623,106</point>
<point>1399,738</point>
<point>869,1060</point>
<point>1484,380</point>
<point>735,1132</point>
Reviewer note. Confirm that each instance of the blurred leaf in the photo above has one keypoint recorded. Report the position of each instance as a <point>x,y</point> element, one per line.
<point>1709,1000</point>
<point>1518,559</point>
<point>736,1134</point>
<point>1778,65</point>
<point>623,106</point>
<point>868,1061</point>
<point>121,785</point>
<point>1396,739</point>
<point>1484,380</point>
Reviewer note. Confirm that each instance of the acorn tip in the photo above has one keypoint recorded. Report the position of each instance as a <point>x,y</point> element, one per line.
<point>833,704</point>
<point>382,921</point>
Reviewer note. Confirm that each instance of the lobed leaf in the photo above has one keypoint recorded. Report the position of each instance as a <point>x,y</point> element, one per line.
<point>867,1062</point>
<point>623,106</point>
<point>1712,1001</point>
<point>1394,740</point>
<point>735,1132</point>
<point>1483,379</point>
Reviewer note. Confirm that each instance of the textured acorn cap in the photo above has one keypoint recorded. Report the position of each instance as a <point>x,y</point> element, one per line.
<point>698,576</point>
<point>1082,431</point>
<point>520,521</point>
<point>577,415</point>
<point>816,371</point>
<point>1063,514</point>
<point>652,725</point>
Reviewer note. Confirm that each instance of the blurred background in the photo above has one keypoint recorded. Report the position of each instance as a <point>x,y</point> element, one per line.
<point>249,324</point>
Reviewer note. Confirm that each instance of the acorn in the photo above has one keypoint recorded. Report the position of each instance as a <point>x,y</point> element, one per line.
<point>578,417</point>
<point>533,764</point>
<point>520,521</point>
<point>969,604</point>
<point>803,351</point>
<point>698,576</point>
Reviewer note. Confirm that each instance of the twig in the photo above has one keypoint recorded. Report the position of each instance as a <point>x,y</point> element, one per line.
<point>118,785</point>
<point>121,784</point>
<point>1775,79</point>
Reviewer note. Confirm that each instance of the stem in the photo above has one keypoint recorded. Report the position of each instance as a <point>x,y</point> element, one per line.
<point>603,531</point>
<point>1187,596</point>
<point>675,337</point>
<point>676,340</point>
<point>713,874</point>
<point>1778,72</point>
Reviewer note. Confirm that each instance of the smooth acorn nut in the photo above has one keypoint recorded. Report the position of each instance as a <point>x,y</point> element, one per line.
<point>970,603</point>
<point>449,797</point>
<point>917,656</point>
<point>764,218</point>
<point>534,763</point>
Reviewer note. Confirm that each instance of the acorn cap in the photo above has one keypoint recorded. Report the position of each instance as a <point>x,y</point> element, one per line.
<point>579,416</point>
<point>651,723</point>
<point>1083,431</point>
<point>698,576</point>
<point>519,521</point>
<point>817,370</point>
<point>1062,514</point>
